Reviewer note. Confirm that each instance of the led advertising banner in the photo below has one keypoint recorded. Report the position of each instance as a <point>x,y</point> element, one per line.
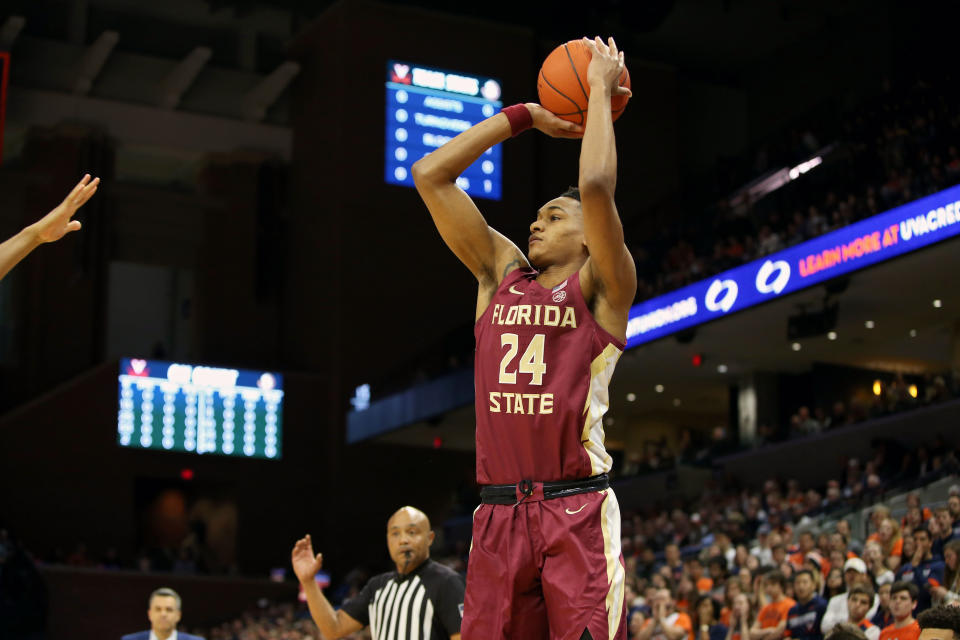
<point>425,108</point>
<point>884,236</point>
<point>180,407</point>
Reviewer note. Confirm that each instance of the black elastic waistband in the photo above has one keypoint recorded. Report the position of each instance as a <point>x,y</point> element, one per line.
<point>507,493</point>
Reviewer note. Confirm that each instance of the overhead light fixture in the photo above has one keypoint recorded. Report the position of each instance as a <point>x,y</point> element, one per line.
<point>658,388</point>
<point>832,335</point>
<point>631,397</point>
<point>676,402</point>
<point>913,333</point>
<point>877,388</point>
<point>937,303</point>
<point>869,324</point>
<point>795,346</point>
<point>912,390</point>
<point>721,368</point>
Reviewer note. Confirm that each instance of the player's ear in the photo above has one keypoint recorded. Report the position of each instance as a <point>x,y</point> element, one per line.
<point>430,538</point>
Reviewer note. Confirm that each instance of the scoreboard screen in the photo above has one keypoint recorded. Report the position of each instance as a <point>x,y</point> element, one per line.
<point>425,108</point>
<point>180,407</point>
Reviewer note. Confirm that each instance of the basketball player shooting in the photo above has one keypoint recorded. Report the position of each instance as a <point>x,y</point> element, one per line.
<point>550,327</point>
<point>49,228</point>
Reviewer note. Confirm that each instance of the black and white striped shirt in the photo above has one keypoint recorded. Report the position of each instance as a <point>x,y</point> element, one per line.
<point>425,604</point>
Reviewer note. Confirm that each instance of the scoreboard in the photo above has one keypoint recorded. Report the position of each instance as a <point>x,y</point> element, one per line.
<point>426,107</point>
<point>195,409</point>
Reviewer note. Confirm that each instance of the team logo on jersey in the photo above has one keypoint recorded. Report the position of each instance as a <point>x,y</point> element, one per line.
<point>511,290</point>
<point>559,295</point>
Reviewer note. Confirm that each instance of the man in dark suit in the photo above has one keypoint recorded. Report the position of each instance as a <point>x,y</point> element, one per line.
<point>164,613</point>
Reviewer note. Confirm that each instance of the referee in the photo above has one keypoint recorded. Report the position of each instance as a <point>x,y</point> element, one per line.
<point>421,600</point>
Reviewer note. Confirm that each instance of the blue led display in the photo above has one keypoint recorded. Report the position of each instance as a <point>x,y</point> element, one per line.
<point>425,108</point>
<point>884,236</point>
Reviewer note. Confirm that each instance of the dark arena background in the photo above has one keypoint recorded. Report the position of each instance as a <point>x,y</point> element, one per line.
<point>258,332</point>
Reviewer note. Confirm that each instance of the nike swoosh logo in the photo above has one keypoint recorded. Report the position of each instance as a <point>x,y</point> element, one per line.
<point>573,513</point>
<point>511,290</point>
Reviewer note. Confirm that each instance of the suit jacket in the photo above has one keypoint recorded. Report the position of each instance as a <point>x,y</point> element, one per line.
<point>145,635</point>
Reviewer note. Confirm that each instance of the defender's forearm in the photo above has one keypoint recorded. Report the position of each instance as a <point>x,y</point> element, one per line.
<point>16,249</point>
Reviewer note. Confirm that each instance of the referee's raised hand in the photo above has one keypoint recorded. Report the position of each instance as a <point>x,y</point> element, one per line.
<point>305,563</point>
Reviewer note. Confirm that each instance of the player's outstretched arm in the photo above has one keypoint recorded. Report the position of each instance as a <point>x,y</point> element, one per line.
<point>50,228</point>
<point>611,266</point>
<point>461,225</point>
<point>332,623</point>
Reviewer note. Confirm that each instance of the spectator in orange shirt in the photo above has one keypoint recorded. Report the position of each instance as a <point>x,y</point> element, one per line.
<point>891,543</point>
<point>772,619</point>
<point>665,623</point>
<point>903,600</point>
<point>805,544</point>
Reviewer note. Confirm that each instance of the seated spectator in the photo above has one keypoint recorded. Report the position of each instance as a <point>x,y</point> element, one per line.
<point>903,601</point>
<point>941,528</point>
<point>707,623</point>
<point>834,583</point>
<point>772,619</point>
<point>739,627</point>
<point>891,543</point>
<point>923,570</point>
<point>883,618</point>
<point>805,617</point>
<point>665,623</point>
<point>859,601</point>
<point>950,590</point>
<point>854,574</point>
<point>873,556</point>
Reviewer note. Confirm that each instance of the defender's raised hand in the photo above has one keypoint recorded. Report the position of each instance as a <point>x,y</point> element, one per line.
<point>305,563</point>
<point>58,223</point>
<point>606,66</point>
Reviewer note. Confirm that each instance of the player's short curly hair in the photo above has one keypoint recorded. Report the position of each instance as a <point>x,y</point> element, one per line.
<point>846,631</point>
<point>571,192</point>
<point>942,617</point>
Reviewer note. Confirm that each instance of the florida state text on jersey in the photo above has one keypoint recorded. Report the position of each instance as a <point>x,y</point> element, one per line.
<point>542,369</point>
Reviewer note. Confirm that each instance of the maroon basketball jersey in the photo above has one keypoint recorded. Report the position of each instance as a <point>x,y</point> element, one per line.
<point>542,369</point>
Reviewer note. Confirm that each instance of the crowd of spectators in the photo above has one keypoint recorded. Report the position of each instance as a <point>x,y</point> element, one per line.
<point>747,565</point>
<point>896,148</point>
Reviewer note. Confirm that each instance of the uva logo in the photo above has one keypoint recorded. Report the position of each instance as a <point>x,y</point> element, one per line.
<point>775,285</point>
<point>721,295</point>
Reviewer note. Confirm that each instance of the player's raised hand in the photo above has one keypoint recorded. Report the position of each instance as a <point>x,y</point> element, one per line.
<point>606,66</point>
<point>305,564</point>
<point>551,125</point>
<point>58,223</point>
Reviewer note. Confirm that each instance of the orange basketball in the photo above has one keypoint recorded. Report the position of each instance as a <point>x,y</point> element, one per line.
<point>562,83</point>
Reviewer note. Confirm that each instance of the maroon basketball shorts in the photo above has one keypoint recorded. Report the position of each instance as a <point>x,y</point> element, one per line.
<point>546,569</point>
